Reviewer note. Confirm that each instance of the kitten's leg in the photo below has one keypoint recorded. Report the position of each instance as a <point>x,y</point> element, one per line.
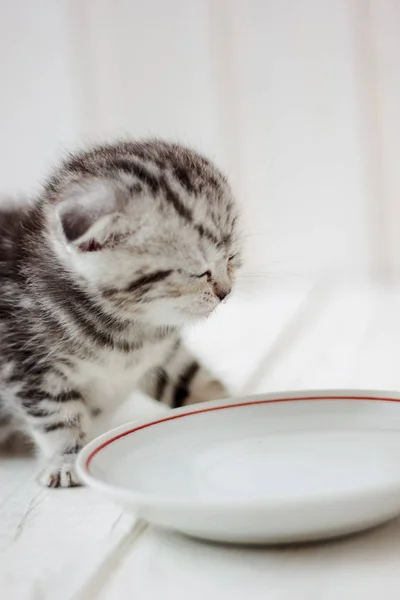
<point>182,380</point>
<point>6,427</point>
<point>59,426</point>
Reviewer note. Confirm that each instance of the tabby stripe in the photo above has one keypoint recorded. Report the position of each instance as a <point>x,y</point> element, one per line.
<point>34,396</point>
<point>76,301</point>
<point>90,326</point>
<point>182,175</point>
<point>139,171</point>
<point>28,363</point>
<point>73,449</point>
<point>35,411</point>
<point>227,240</point>
<point>57,426</point>
<point>70,304</point>
<point>162,381</point>
<point>182,389</point>
<point>81,308</point>
<point>148,280</point>
<point>135,188</point>
<point>205,232</point>
<point>67,396</point>
<point>83,317</point>
<point>173,198</point>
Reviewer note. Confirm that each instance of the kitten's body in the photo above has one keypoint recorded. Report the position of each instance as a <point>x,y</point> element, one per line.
<point>126,244</point>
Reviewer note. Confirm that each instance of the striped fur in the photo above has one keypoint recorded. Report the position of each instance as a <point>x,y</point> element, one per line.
<point>127,244</point>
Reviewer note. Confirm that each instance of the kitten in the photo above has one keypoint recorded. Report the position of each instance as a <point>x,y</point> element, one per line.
<point>127,243</point>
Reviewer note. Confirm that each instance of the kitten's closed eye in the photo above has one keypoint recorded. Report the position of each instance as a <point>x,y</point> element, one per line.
<point>207,274</point>
<point>234,262</point>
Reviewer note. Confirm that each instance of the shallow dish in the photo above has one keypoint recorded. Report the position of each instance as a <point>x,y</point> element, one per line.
<point>272,468</point>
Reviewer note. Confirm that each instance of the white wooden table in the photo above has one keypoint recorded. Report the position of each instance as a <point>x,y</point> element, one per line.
<point>71,544</point>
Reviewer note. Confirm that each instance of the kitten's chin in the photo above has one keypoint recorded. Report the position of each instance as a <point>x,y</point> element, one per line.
<point>179,316</point>
<point>195,313</point>
<point>176,320</point>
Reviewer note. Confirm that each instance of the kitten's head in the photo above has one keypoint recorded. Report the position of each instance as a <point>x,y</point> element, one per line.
<point>150,226</point>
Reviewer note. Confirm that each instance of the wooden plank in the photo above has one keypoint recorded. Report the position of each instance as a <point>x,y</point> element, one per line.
<point>170,566</point>
<point>52,541</point>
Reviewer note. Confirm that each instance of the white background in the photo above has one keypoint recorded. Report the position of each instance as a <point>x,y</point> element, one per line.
<point>299,101</point>
<point>296,99</point>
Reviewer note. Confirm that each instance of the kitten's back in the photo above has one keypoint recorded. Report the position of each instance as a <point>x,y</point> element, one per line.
<point>13,219</point>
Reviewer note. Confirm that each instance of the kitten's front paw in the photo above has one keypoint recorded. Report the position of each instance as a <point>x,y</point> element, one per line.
<point>60,473</point>
<point>204,391</point>
<point>215,390</point>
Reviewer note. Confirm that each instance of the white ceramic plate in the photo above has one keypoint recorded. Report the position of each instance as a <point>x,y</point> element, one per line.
<point>266,469</point>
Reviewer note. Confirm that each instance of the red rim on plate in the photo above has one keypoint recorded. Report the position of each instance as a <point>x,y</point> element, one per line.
<point>225,406</point>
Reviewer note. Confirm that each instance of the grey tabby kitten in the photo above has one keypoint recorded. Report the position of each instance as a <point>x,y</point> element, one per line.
<point>127,243</point>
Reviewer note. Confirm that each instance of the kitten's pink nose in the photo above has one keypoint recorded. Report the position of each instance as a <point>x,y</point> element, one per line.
<point>221,292</point>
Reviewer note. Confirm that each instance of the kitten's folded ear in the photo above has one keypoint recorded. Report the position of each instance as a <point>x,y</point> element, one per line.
<point>89,214</point>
